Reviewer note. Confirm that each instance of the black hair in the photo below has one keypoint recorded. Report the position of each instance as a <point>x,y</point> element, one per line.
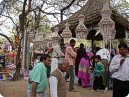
<point>30,67</point>
<point>72,41</point>
<point>124,45</point>
<point>97,49</point>
<point>112,55</point>
<point>44,57</point>
<point>62,40</point>
<point>81,46</point>
<point>98,57</point>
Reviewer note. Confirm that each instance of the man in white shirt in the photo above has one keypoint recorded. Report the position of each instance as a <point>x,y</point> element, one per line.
<point>120,68</point>
<point>57,80</point>
<point>105,59</point>
<point>56,54</point>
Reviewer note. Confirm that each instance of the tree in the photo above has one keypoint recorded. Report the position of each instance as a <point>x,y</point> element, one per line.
<point>20,30</point>
<point>121,6</point>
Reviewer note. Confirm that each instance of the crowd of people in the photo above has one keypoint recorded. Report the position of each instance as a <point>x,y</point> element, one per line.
<point>104,64</point>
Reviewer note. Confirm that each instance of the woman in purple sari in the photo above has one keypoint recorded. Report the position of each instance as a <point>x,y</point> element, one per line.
<point>84,69</point>
<point>79,56</point>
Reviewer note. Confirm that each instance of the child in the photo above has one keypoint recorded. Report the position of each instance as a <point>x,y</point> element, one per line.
<point>98,74</point>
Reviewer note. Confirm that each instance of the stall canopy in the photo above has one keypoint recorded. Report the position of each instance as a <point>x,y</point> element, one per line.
<point>92,10</point>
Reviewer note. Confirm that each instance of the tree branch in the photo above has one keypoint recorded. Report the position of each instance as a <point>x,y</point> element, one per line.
<point>6,37</point>
<point>10,19</point>
<point>3,22</point>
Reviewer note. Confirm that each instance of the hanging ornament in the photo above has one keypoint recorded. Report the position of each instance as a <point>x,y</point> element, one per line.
<point>107,25</point>
<point>20,36</point>
<point>15,53</point>
<point>17,40</point>
<point>55,38</point>
<point>11,55</point>
<point>66,34</point>
<point>81,30</point>
<point>15,44</point>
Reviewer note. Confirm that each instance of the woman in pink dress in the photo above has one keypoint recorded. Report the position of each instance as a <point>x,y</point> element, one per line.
<point>84,67</point>
<point>79,56</point>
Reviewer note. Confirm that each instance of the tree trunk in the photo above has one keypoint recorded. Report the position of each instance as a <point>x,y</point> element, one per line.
<point>17,75</point>
<point>22,19</point>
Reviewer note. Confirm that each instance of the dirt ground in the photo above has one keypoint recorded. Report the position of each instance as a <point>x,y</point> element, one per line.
<point>19,88</point>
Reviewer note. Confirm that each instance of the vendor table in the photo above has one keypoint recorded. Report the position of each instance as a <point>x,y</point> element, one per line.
<point>5,75</point>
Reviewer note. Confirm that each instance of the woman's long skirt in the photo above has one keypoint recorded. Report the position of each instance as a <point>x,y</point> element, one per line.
<point>83,73</point>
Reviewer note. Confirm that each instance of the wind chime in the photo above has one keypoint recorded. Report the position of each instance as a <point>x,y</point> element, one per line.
<point>48,40</point>
<point>55,38</point>
<point>81,30</point>
<point>127,36</point>
<point>31,36</point>
<point>39,43</point>
<point>66,34</point>
<point>107,25</point>
<point>107,29</point>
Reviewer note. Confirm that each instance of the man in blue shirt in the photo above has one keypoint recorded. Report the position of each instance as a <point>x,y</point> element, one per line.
<point>38,78</point>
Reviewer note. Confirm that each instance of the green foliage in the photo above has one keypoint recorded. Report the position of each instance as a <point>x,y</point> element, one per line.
<point>12,37</point>
<point>122,6</point>
<point>87,42</point>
